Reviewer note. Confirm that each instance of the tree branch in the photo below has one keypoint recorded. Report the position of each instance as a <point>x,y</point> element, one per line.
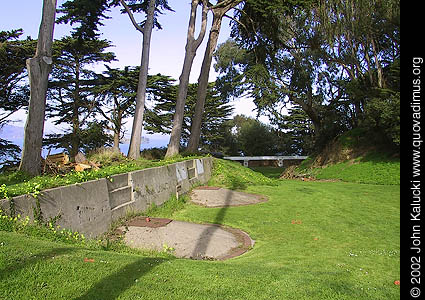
<point>201,35</point>
<point>131,16</point>
<point>2,119</point>
<point>226,3</point>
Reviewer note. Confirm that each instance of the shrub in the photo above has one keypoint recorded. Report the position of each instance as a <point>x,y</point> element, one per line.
<point>154,153</point>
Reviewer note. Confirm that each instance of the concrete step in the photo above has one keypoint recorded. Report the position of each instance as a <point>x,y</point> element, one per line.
<point>118,181</point>
<point>120,196</point>
<point>122,209</point>
<point>191,172</point>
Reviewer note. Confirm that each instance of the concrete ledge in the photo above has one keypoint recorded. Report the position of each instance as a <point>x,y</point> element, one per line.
<point>118,181</point>
<point>120,196</point>
<point>92,206</point>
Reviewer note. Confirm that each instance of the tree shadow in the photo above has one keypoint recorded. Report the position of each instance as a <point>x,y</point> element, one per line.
<point>32,260</point>
<point>112,286</point>
<point>236,183</point>
<point>206,235</point>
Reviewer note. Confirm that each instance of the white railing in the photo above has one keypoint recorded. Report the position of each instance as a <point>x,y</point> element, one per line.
<point>279,159</point>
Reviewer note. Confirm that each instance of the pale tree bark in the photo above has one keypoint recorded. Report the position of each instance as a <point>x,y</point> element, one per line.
<point>219,10</point>
<point>39,68</point>
<point>146,30</point>
<point>192,45</point>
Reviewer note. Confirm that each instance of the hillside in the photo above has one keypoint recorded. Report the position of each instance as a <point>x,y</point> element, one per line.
<point>352,157</point>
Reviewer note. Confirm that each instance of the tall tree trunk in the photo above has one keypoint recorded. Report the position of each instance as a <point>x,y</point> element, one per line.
<point>381,81</point>
<point>75,138</point>
<point>312,113</point>
<point>219,10</point>
<point>116,146</point>
<point>195,131</point>
<point>191,46</point>
<point>39,68</point>
<point>117,132</point>
<point>136,132</point>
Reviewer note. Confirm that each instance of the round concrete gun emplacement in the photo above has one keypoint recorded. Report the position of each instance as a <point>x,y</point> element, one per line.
<point>220,197</point>
<point>186,240</point>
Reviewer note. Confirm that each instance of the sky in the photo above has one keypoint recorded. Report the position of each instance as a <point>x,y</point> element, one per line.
<point>167,45</point>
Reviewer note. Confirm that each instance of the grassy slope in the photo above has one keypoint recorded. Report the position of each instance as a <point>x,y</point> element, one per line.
<point>372,168</point>
<point>354,157</point>
<point>368,169</point>
<point>314,240</point>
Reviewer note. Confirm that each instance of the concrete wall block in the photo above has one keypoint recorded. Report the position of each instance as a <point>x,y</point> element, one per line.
<point>117,181</point>
<point>208,166</point>
<point>158,185</point>
<point>172,172</point>
<point>120,196</point>
<point>83,207</point>
<point>23,205</point>
<point>181,171</point>
<point>199,166</point>
<point>5,206</point>
<point>123,210</point>
<point>139,190</point>
<point>185,186</point>
<point>191,173</point>
<point>205,165</point>
<point>190,163</point>
<point>90,207</point>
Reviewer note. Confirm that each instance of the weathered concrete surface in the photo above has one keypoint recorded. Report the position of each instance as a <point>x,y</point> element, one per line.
<point>154,185</point>
<point>221,197</point>
<point>189,240</point>
<point>82,207</point>
<point>92,206</point>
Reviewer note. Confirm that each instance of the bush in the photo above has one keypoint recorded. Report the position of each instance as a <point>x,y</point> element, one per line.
<point>154,153</point>
<point>107,156</point>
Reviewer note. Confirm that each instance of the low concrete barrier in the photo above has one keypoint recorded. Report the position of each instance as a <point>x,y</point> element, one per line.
<point>92,206</point>
<point>266,161</point>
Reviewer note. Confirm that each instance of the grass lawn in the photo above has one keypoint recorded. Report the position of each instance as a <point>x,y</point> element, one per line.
<point>314,240</point>
<point>271,172</point>
<point>372,168</point>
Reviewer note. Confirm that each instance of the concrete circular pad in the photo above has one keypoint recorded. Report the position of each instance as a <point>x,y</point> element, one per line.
<point>221,197</point>
<point>186,240</point>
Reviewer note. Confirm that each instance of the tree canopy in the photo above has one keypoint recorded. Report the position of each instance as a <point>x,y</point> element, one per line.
<point>315,68</point>
<point>336,60</point>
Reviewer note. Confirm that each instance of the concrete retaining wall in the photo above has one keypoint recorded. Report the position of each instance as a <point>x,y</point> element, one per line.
<point>92,206</point>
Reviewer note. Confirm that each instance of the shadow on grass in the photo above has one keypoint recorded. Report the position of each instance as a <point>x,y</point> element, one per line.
<point>236,183</point>
<point>206,235</point>
<point>32,260</point>
<point>112,286</point>
<point>375,158</point>
<point>270,172</point>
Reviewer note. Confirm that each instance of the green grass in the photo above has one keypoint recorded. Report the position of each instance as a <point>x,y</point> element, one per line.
<point>234,176</point>
<point>373,168</point>
<point>314,240</point>
<point>18,183</point>
<point>271,172</point>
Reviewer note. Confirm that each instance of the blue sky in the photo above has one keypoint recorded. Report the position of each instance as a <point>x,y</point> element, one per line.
<point>167,45</point>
